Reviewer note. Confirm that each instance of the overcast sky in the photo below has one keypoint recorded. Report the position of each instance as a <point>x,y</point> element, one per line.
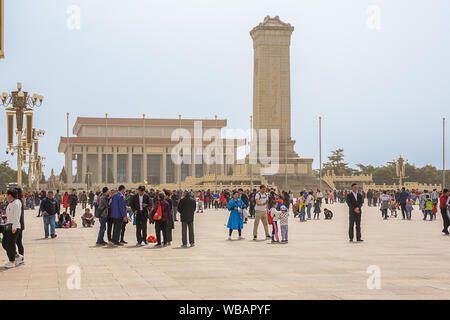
<point>381,93</point>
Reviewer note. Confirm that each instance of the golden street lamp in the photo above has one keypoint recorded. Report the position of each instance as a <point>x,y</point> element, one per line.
<point>19,103</point>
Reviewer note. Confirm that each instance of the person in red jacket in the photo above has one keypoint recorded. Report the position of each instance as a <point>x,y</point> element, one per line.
<point>443,206</point>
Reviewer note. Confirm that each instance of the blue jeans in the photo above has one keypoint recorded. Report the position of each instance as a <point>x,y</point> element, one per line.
<point>101,232</point>
<point>302,214</point>
<point>49,220</point>
<point>309,211</point>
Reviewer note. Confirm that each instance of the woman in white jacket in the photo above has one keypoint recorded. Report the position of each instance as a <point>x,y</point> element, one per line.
<point>12,226</point>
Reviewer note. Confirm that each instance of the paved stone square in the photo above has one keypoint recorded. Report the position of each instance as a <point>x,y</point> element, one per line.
<point>318,263</point>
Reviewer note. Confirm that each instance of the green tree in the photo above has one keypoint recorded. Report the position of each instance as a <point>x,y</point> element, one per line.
<point>337,164</point>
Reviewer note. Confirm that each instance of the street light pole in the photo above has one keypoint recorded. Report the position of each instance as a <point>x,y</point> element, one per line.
<point>106,149</point>
<point>443,153</point>
<point>320,153</point>
<point>250,152</point>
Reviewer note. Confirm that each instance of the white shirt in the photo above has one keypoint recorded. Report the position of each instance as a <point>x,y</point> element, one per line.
<point>263,199</point>
<point>355,195</point>
<point>141,199</point>
<point>13,213</point>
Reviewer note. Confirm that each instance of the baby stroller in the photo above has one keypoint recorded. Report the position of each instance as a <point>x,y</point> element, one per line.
<point>393,208</point>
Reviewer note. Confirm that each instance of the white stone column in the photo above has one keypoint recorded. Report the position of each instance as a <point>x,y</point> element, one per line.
<point>84,166</point>
<point>192,167</point>
<point>144,165</point>
<point>130,166</point>
<point>163,174</point>
<point>114,169</point>
<point>69,167</point>
<point>99,165</point>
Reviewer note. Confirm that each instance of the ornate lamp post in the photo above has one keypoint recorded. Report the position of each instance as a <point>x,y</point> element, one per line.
<point>400,169</point>
<point>19,103</point>
<point>32,158</point>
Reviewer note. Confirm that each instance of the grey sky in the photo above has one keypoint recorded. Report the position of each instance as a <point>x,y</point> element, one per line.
<point>381,93</point>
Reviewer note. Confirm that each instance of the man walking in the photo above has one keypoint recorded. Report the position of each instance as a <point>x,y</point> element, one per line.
<point>72,201</point>
<point>140,204</point>
<point>443,204</point>
<point>118,214</point>
<point>49,208</point>
<point>261,199</point>
<point>83,199</point>
<point>354,202</point>
<point>186,208</point>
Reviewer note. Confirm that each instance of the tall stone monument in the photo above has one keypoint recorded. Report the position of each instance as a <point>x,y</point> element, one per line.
<point>272,100</point>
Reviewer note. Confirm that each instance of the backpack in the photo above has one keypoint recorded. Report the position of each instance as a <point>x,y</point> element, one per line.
<point>269,218</point>
<point>158,214</point>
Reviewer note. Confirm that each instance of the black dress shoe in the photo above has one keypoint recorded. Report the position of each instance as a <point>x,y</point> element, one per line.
<point>351,240</point>
<point>360,240</point>
<point>123,241</point>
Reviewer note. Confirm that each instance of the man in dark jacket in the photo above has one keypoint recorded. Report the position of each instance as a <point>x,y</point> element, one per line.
<point>354,202</point>
<point>49,208</point>
<point>140,203</point>
<point>402,197</point>
<point>102,215</point>
<point>186,208</point>
<point>72,201</point>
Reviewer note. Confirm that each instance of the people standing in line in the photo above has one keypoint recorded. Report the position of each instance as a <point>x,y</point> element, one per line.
<point>140,204</point>
<point>443,200</point>
<point>354,202</point>
<point>162,207</point>
<point>119,214</point>
<point>102,215</point>
<point>261,200</point>
<point>73,201</point>
<point>236,218</point>
<point>12,227</point>
<point>186,208</point>
<point>50,209</point>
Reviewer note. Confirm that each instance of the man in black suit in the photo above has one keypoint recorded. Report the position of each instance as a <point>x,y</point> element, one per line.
<point>355,202</point>
<point>140,204</point>
<point>186,208</point>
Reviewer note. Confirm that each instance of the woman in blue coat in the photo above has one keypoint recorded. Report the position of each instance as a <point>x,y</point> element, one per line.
<point>236,219</point>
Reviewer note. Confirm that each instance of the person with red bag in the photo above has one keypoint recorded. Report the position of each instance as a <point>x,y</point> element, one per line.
<point>443,199</point>
<point>160,216</point>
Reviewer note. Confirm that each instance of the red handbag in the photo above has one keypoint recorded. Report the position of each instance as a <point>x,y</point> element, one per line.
<point>158,214</point>
<point>434,209</point>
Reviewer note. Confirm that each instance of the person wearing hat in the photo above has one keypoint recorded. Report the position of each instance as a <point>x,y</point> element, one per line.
<point>186,208</point>
<point>140,203</point>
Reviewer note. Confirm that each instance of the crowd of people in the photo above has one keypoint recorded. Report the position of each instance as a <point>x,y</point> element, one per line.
<point>115,209</point>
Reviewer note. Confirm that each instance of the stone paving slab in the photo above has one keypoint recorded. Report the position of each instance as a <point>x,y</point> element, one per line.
<point>318,262</point>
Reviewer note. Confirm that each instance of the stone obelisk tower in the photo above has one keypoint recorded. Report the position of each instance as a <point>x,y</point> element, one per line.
<point>271,82</point>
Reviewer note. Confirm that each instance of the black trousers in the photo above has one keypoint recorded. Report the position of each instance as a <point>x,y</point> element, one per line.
<point>403,207</point>
<point>184,228</point>
<point>384,213</point>
<point>9,244</point>
<point>445,220</point>
<point>161,226</point>
<point>72,210</point>
<point>122,231</point>
<point>19,242</point>
<point>117,228</point>
<point>369,201</point>
<point>109,225</point>
<point>141,227</point>
<point>354,219</point>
